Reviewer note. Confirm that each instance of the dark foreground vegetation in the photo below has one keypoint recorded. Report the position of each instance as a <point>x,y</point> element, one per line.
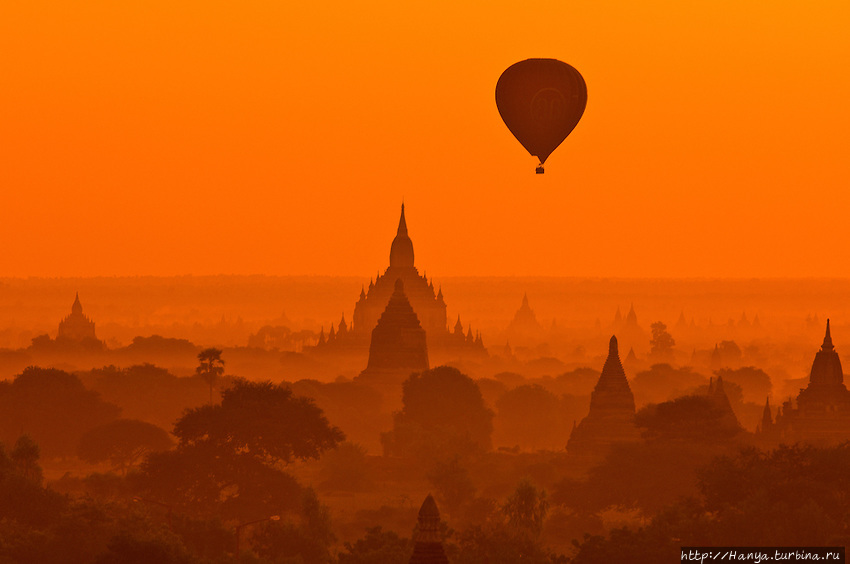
<point>94,473</point>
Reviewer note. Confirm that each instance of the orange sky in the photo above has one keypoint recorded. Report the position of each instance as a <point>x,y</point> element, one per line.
<point>279,137</point>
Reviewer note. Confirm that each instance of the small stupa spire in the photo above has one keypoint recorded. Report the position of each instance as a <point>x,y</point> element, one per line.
<point>767,418</point>
<point>631,317</point>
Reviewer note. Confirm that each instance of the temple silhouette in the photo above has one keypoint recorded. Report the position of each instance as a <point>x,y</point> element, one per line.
<point>612,412</point>
<point>427,302</point>
<point>76,329</point>
<point>822,412</point>
<point>428,547</point>
<point>717,395</point>
<point>524,328</point>
<point>398,346</point>
<point>631,334</point>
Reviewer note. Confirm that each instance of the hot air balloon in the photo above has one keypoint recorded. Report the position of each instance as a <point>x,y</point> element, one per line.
<point>541,102</point>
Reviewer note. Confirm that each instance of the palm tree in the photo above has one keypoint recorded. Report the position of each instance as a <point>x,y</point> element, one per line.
<point>211,367</point>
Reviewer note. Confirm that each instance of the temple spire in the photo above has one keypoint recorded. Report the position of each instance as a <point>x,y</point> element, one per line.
<point>402,224</point>
<point>766,418</point>
<point>631,317</point>
<point>612,389</point>
<point>401,251</point>
<point>827,339</point>
<point>77,307</point>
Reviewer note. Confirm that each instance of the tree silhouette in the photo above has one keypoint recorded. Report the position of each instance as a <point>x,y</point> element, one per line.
<point>793,495</point>
<point>662,342</point>
<point>526,509</point>
<point>53,408</point>
<point>210,367</point>
<point>452,485</point>
<point>122,442</point>
<point>345,468</point>
<point>229,455</point>
<point>443,414</point>
<point>755,383</point>
<point>378,546</point>
<point>25,455</point>
<point>530,416</point>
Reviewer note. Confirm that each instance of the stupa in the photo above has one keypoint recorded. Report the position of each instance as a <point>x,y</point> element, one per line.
<point>612,411</point>
<point>822,413</point>
<point>428,548</point>
<point>398,345</point>
<point>76,327</point>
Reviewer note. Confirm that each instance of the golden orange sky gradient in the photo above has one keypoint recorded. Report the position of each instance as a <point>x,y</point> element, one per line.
<point>200,137</point>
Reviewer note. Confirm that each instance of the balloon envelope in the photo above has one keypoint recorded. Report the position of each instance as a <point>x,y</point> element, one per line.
<point>541,101</point>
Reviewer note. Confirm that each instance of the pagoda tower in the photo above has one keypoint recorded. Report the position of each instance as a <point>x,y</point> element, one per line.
<point>822,415</point>
<point>631,333</point>
<point>429,306</point>
<point>718,397</point>
<point>612,411</point>
<point>525,329</point>
<point>76,327</point>
<point>428,548</point>
<point>767,432</point>
<point>398,345</point>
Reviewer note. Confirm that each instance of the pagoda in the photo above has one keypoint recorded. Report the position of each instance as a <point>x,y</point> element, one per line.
<point>612,411</point>
<point>525,328</point>
<point>822,413</point>
<point>76,328</point>
<point>426,300</point>
<point>428,304</point>
<point>428,547</point>
<point>398,346</point>
<point>717,394</point>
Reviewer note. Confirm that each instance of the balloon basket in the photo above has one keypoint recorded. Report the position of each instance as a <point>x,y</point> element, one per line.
<point>539,170</point>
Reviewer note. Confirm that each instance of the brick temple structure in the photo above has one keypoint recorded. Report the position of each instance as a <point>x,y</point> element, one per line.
<point>612,412</point>
<point>821,415</point>
<point>426,300</point>
<point>398,346</point>
<point>428,547</point>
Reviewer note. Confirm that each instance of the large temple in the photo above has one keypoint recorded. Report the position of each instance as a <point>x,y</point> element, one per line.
<point>822,412</point>
<point>612,412</point>
<point>426,301</point>
<point>428,305</point>
<point>524,328</point>
<point>76,328</point>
